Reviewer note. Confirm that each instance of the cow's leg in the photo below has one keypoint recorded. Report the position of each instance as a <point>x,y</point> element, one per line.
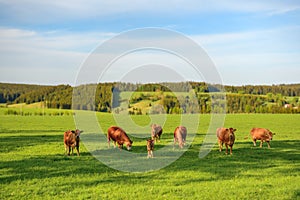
<point>220,145</point>
<point>180,145</point>
<point>268,142</point>
<point>254,142</point>
<point>230,149</point>
<point>108,143</point>
<point>261,143</point>
<point>120,146</point>
<point>66,149</point>
<point>77,150</point>
<point>150,154</point>
<point>174,143</point>
<point>114,144</point>
<point>226,148</point>
<point>69,151</point>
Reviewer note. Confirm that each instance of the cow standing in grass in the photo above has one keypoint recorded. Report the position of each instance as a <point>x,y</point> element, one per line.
<point>262,134</point>
<point>150,148</point>
<point>71,141</point>
<point>180,136</point>
<point>156,131</point>
<point>226,135</point>
<point>119,136</point>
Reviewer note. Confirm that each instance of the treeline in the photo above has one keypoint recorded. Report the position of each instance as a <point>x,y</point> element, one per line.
<point>227,103</point>
<point>104,97</point>
<point>9,92</point>
<point>290,90</point>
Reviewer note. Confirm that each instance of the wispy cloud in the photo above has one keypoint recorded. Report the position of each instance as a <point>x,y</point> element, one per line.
<point>54,11</point>
<point>237,55</point>
<point>42,57</point>
<point>257,56</point>
<point>56,36</point>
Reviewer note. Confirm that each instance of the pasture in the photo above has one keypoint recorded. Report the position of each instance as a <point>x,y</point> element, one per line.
<point>33,164</point>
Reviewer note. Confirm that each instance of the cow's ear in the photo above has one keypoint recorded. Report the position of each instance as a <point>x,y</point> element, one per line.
<point>274,133</point>
<point>234,130</point>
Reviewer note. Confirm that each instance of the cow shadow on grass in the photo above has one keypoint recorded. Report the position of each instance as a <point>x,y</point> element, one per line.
<point>245,158</point>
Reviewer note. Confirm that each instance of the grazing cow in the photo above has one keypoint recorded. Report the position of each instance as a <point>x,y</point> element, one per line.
<point>71,140</point>
<point>156,132</point>
<point>119,136</point>
<point>262,134</point>
<point>150,148</point>
<point>180,136</point>
<point>226,135</point>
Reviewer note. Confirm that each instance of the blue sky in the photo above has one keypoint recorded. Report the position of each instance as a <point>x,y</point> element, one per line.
<point>250,42</point>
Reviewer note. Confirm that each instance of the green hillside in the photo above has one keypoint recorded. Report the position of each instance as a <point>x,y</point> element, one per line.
<point>171,98</point>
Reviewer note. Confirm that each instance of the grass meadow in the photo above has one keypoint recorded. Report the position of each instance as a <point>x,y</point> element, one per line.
<point>33,164</point>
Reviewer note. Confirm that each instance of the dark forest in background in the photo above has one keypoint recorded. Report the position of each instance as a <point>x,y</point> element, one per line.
<point>282,98</point>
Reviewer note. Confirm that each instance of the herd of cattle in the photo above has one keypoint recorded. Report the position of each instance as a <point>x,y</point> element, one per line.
<point>118,135</point>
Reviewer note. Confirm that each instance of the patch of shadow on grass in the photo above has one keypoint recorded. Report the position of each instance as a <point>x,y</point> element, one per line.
<point>34,131</point>
<point>12,143</point>
<point>245,158</point>
<point>40,167</point>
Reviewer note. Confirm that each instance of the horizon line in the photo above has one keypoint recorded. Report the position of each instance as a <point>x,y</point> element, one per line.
<point>136,83</point>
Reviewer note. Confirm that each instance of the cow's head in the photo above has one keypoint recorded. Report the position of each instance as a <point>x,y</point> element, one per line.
<point>232,130</point>
<point>271,135</point>
<point>77,133</point>
<point>231,134</point>
<point>129,145</point>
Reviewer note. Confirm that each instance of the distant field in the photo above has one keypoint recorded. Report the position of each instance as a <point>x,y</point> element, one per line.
<point>24,105</point>
<point>33,164</point>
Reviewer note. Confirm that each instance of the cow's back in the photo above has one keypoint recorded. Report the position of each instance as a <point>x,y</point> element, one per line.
<point>117,134</point>
<point>261,133</point>
<point>114,132</point>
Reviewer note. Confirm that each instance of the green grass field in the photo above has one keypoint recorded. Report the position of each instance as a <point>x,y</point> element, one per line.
<point>33,164</point>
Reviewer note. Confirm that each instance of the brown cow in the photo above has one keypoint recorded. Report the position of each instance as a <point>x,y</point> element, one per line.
<point>150,148</point>
<point>226,135</point>
<point>262,134</point>
<point>156,132</point>
<point>118,135</point>
<point>71,140</point>
<point>180,136</point>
